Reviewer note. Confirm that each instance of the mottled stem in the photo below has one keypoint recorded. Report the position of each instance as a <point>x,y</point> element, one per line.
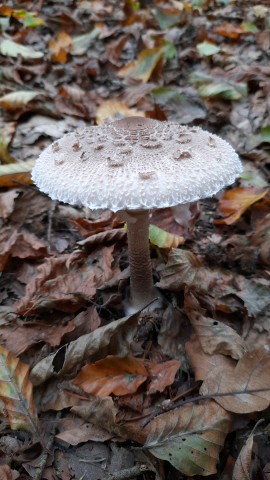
<point>141,280</point>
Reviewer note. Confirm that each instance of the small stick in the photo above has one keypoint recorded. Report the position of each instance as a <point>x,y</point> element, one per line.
<point>129,473</point>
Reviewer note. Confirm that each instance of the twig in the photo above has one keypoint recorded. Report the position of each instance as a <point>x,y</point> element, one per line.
<point>128,473</point>
<point>44,456</point>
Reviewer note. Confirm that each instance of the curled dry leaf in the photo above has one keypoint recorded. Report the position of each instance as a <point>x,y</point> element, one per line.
<point>215,337</point>
<point>16,393</point>
<point>7,203</point>
<point>242,467</point>
<point>161,375</point>
<point>17,100</point>
<point>19,244</point>
<point>67,282</point>
<point>250,376</point>
<point>163,239</point>
<point>201,363</point>
<point>116,337</point>
<point>236,201</point>
<point>143,67</point>
<point>121,376</point>
<point>115,110</point>
<point>190,437</point>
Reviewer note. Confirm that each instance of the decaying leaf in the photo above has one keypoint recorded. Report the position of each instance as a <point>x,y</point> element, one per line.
<point>7,130</point>
<point>215,337</point>
<point>75,430</point>
<point>121,376</point>
<point>115,110</point>
<point>116,338</point>
<point>7,202</point>
<point>163,239</point>
<point>242,467</point>
<point>17,100</point>
<point>251,373</point>
<point>16,392</point>
<point>7,474</point>
<point>16,173</point>
<point>60,47</point>
<point>190,437</point>
<point>236,201</point>
<point>161,375</point>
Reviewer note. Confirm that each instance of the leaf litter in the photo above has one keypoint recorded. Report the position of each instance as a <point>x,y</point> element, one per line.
<point>204,361</point>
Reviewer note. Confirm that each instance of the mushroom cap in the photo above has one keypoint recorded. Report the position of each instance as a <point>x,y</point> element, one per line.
<point>136,163</point>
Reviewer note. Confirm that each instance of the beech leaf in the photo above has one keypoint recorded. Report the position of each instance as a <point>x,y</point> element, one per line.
<point>236,201</point>
<point>16,392</point>
<point>15,173</point>
<point>242,467</point>
<point>13,49</point>
<point>143,67</point>
<point>190,437</point>
<point>163,239</point>
<point>16,100</point>
<point>121,376</point>
<point>251,373</point>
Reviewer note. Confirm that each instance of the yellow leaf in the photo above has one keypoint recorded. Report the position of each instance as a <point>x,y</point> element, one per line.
<point>60,47</point>
<point>15,100</point>
<point>236,201</point>
<point>163,239</point>
<point>115,110</point>
<point>14,173</point>
<point>143,67</point>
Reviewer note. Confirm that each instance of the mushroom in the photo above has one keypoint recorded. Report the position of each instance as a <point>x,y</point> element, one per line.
<point>131,166</point>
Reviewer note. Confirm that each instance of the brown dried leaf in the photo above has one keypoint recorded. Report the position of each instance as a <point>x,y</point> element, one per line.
<point>16,393</point>
<point>201,363</point>
<point>190,437</point>
<point>67,282</point>
<point>236,201</point>
<point>74,431</point>
<point>215,337</point>
<point>250,373</point>
<point>121,376</point>
<point>7,202</point>
<point>162,375</point>
<point>24,337</point>
<point>100,411</point>
<point>116,337</point>
<point>242,467</point>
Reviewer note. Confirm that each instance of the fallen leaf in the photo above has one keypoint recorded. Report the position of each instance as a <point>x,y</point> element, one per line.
<point>29,19</point>
<point>115,110</point>
<point>162,239</point>
<point>143,67</point>
<point>120,376</point>
<point>223,89</point>
<point>161,375</point>
<point>67,282</point>
<point>16,392</point>
<point>7,130</point>
<point>74,431</point>
<point>20,339</point>
<point>116,338</point>
<point>201,363</point>
<point>9,48</point>
<point>15,173</point>
<point>60,47</point>
<point>190,437</point>
<point>236,201</point>
<point>229,30</point>
<point>250,373</point>
<point>7,203</point>
<point>215,337</point>
<point>167,16</point>
<point>100,411</point>
<point>243,468</point>
<point>17,100</point>
<point>81,43</point>
<point>207,48</point>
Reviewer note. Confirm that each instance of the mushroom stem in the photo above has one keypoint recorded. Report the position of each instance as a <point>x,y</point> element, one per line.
<point>142,289</point>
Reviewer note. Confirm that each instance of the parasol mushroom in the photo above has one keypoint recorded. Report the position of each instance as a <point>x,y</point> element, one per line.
<point>131,166</point>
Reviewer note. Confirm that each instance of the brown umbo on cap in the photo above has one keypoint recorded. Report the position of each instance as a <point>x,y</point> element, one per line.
<point>135,164</point>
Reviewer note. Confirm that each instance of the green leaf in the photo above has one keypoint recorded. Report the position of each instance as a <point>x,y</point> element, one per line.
<point>32,21</point>
<point>167,17</point>
<point>207,48</point>
<point>265,134</point>
<point>81,43</point>
<point>190,437</point>
<point>226,90</point>
<point>170,51</point>
<point>162,95</point>
<point>13,49</point>
<point>249,27</point>
<point>163,239</point>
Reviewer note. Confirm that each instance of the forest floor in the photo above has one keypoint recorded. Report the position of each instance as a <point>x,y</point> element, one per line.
<point>85,391</point>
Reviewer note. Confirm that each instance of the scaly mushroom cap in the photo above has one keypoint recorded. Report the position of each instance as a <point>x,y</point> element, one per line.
<point>136,163</point>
